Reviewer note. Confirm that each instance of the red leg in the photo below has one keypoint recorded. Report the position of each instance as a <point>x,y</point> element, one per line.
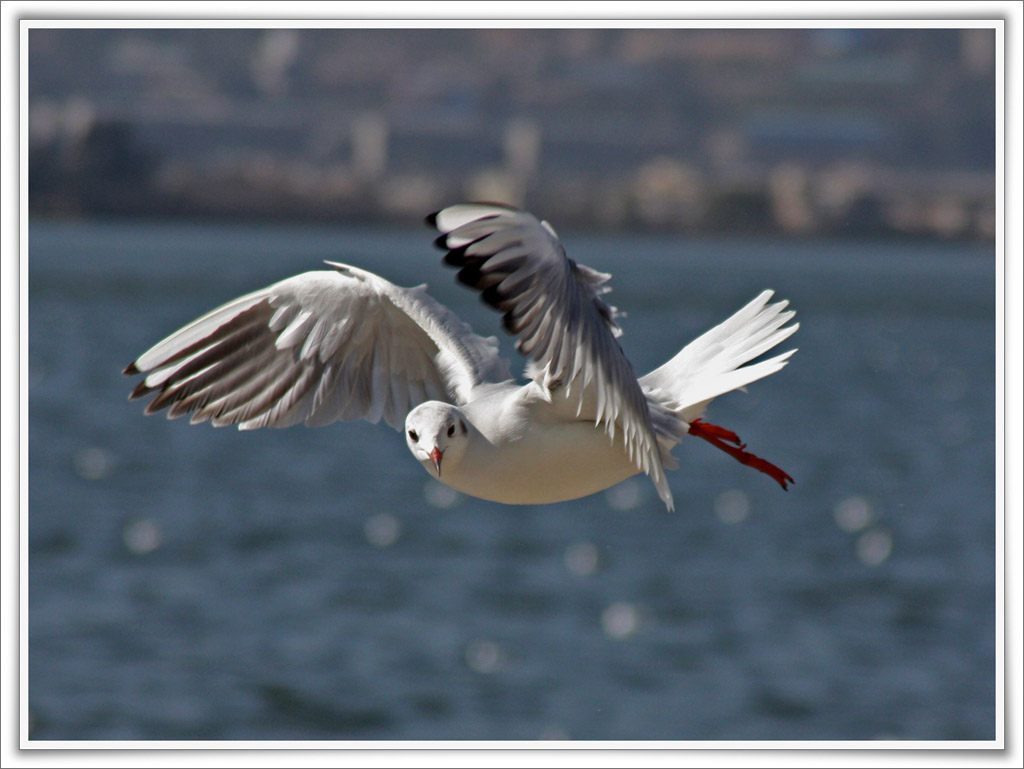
<point>720,438</point>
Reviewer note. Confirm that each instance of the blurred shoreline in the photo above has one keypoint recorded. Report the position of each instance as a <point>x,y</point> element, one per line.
<point>725,211</point>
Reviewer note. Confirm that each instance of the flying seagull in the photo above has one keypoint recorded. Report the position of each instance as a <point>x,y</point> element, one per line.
<point>346,344</point>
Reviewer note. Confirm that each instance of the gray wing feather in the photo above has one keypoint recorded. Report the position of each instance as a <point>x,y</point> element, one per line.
<point>554,307</point>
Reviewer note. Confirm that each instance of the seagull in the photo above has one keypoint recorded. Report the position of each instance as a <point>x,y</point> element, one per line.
<point>346,344</point>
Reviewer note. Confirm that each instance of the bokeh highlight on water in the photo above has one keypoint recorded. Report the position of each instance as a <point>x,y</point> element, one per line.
<point>187,583</point>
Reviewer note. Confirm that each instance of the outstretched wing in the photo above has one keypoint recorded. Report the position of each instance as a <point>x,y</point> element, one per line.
<point>554,306</point>
<point>315,348</point>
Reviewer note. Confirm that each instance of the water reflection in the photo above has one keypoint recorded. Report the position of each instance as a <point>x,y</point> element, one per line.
<point>732,506</point>
<point>438,495</point>
<point>484,656</point>
<point>581,558</point>
<point>874,546</point>
<point>626,495</point>
<point>142,536</point>
<point>94,463</point>
<point>853,514</point>
<point>620,620</point>
<point>382,529</point>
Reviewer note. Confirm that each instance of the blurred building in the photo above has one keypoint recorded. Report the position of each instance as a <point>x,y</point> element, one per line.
<point>800,131</point>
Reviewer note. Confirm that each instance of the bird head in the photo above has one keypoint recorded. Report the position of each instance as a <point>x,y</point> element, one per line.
<point>437,435</point>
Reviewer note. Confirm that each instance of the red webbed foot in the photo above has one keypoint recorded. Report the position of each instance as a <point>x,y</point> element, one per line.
<point>721,438</point>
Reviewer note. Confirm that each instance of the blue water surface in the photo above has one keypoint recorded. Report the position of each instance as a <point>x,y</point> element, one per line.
<point>189,583</point>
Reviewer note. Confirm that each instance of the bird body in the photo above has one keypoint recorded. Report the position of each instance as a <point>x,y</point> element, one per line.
<point>344,343</point>
<point>522,450</point>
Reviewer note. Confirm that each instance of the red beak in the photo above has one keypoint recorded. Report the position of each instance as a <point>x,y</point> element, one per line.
<point>436,455</point>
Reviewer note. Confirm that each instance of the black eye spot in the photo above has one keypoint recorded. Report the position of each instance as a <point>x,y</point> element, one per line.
<point>451,430</point>
<point>413,436</point>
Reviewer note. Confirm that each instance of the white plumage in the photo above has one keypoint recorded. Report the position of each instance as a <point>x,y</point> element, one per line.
<point>344,344</point>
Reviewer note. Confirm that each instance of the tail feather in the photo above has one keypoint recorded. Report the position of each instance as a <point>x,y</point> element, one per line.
<point>713,363</point>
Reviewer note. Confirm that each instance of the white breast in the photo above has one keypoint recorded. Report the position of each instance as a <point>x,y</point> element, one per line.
<point>522,458</point>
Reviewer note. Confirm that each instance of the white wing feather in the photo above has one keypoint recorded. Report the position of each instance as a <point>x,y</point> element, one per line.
<point>315,348</point>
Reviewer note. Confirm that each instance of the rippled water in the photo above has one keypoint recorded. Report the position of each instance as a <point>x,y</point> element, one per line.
<point>193,583</point>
